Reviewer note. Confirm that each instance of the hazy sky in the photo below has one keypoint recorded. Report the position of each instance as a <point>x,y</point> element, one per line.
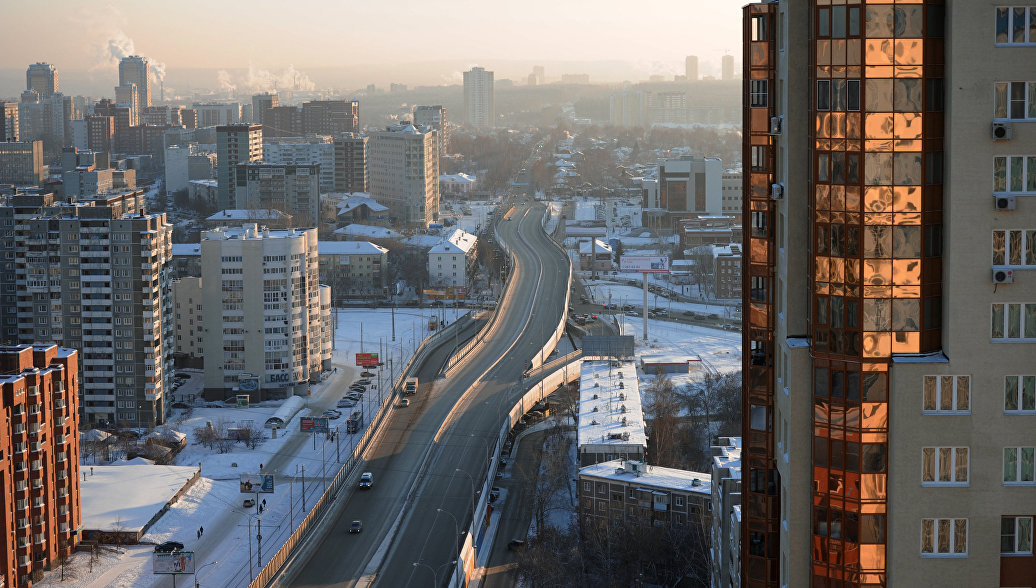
<point>653,35</point>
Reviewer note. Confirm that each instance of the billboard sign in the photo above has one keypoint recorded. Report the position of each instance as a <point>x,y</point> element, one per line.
<point>645,264</point>
<point>313,424</point>
<point>176,562</point>
<point>367,359</point>
<point>257,483</point>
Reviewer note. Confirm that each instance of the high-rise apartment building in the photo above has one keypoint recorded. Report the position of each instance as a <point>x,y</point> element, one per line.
<point>136,70</point>
<point>129,95</point>
<point>317,149</point>
<point>691,68</point>
<point>404,172</point>
<point>21,163</point>
<point>261,103</point>
<point>434,117</point>
<point>39,438</point>
<point>890,322</point>
<point>727,67</point>
<point>267,282</point>
<point>42,78</point>
<point>92,275</point>
<point>8,121</point>
<point>479,100</point>
<point>290,188</point>
<point>100,133</point>
<point>235,144</point>
<point>351,173</point>
<point>330,117</point>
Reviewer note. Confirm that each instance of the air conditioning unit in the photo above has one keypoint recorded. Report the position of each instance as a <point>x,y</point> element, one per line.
<point>1005,202</point>
<point>1002,131</point>
<point>777,191</point>
<point>776,125</point>
<point>1003,276</point>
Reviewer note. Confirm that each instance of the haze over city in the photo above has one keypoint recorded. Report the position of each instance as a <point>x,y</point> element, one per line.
<point>322,44</point>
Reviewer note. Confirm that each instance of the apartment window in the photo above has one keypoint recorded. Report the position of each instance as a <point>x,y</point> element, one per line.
<point>1015,100</point>
<point>1013,322</point>
<point>1014,174</point>
<point>944,537</point>
<point>947,394</point>
<point>1014,248</point>
<point>1018,465</point>
<point>1015,25</point>
<point>944,466</point>
<point>757,93</point>
<point>823,94</point>
<point>1016,535</point>
<point>1020,394</point>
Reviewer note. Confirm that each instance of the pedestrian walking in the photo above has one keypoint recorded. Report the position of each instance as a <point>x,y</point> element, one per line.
<point>264,503</point>
<point>201,531</point>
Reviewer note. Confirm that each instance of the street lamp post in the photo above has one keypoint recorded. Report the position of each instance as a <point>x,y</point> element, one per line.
<point>456,529</point>
<point>211,563</point>
<point>472,480</point>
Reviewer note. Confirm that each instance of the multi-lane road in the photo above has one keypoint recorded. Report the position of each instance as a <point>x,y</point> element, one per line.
<point>431,456</point>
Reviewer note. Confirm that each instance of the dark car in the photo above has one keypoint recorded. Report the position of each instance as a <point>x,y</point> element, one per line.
<point>367,374</point>
<point>516,544</point>
<point>355,527</point>
<point>168,547</point>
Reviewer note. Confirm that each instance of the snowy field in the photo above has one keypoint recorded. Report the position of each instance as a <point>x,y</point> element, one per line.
<point>612,292</point>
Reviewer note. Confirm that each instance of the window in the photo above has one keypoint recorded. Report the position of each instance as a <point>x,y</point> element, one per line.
<point>1015,25</point>
<point>757,93</point>
<point>1013,321</point>
<point>1016,535</point>
<point>823,94</point>
<point>586,487</point>
<point>1014,174</point>
<point>1014,100</point>
<point>759,29</point>
<point>1019,394</point>
<point>944,466</point>
<point>947,394</point>
<point>1018,465</point>
<point>944,537</point>
<point>1014,248</point>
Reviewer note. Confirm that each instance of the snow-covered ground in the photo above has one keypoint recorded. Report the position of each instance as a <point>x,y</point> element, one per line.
<point>615,292</point>
<point>214,501</point>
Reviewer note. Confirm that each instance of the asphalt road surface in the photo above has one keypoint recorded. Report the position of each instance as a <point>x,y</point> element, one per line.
<point>432,455</point>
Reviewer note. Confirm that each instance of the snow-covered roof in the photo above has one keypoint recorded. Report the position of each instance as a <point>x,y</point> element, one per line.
<point>460,241</point>
<point>94,435</point>
<point>357,200</point>
<point>166,434</point>
<point>186,250</point>
<point>649,476</point>
<point>729,456</point>
<point>610,412</point>
<point>457,179</point>
<point>108,501</point>
<point>207,183</point>
<point>598,245</point>
<point>349,248</point>
<point>368,231</point>
<point>659,358</point>
<point>240,214</point>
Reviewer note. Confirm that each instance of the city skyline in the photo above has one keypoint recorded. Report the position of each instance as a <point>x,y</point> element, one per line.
<point>93,40</point>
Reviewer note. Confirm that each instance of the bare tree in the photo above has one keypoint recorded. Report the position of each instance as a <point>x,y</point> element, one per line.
<point>67,562</point>
<point>704,269</point>
<point>224,441</point>
<point>554,475</point>
<point>553,559</point>
<point>664,410</point>
<point>206,435</point>
<point>252,435</point>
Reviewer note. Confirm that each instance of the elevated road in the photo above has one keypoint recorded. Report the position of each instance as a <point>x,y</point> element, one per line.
<point>431,456</point>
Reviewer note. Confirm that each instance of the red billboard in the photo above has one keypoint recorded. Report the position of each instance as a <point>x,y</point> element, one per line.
<point>367,359</point>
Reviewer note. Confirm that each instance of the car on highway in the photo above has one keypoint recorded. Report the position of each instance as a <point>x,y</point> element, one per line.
<point>404,403</point>
<point>356,526</point>
<point>168,547</point>
<point>332,414</point>
<point>366,480</point>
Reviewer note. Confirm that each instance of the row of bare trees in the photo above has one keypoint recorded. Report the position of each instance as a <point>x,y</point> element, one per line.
<point>616,554</point>
<point>685,422</point>
<point>223,433</point>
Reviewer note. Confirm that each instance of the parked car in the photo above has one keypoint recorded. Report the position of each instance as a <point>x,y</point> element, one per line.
<point>356,526</point>
<point>332,414</point>
<point>363,382</point>
<point>494,494</point>
<point>367,374</point>
<point>168,547</point>
<point>404,403</point>
<point>366,480</point>
<point>346,403</point>
<point>515,544</point>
